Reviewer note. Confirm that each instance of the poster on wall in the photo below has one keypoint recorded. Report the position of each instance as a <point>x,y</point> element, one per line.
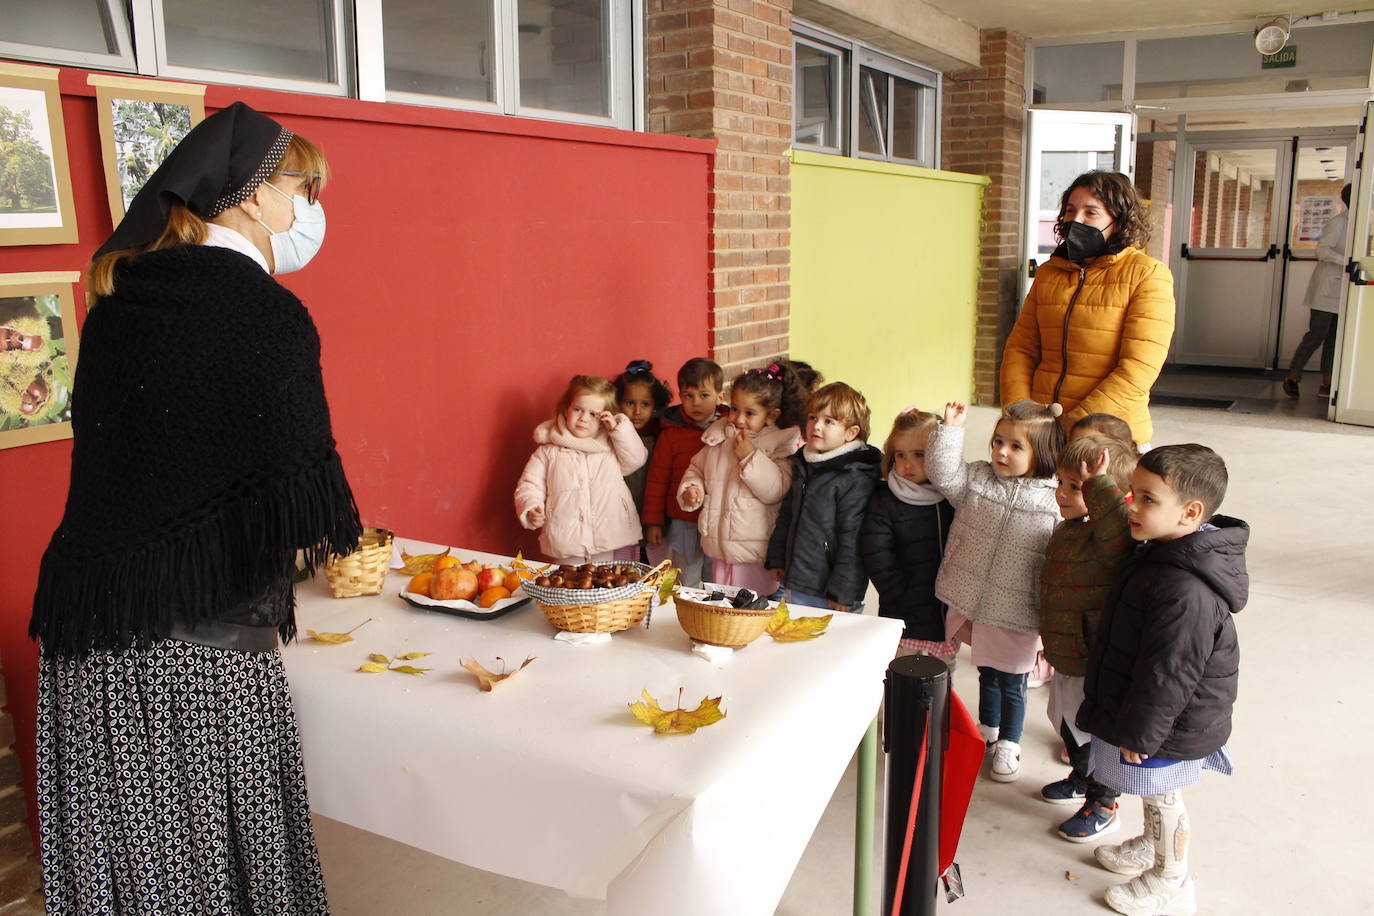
<point>35,181</point>
<point>1312,217</point>
<point>37,356</point>
<point>141,121</point>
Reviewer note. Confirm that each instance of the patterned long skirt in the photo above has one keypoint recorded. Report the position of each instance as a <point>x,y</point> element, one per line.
<point>170,783</point>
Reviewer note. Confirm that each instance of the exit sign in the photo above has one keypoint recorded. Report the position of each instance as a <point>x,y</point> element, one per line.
<point>1284,57</point>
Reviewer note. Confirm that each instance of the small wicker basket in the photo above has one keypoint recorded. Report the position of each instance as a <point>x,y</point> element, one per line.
<point>577,611</point>
<point>733,628</point>
<point>362,572</point>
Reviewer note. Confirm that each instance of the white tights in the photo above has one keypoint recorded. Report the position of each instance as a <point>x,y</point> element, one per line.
<point>1166,825</point>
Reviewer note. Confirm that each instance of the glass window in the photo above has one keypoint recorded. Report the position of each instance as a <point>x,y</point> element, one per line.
<point>564,62</point>
<point>76,25</point>
<point>292,39</point>
<point>872,111</point>
<point>1078,73</point>
<point>908,117</point>
<point>1211,65</point>
<point>1233,197</point>
<point>819,82</point>
<point>444,49</point>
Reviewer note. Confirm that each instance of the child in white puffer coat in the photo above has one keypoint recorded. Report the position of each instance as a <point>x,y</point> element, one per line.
<point>1004,514</point>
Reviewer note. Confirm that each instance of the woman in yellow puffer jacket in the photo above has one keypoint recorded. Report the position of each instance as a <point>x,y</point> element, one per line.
<point>1101,301</point>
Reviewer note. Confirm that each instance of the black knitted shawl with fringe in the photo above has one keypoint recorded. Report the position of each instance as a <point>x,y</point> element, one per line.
<point>202,455</point>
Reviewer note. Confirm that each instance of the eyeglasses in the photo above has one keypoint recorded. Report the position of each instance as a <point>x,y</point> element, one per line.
<point>312,183</point>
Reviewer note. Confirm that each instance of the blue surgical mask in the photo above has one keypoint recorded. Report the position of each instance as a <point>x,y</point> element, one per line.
<point>293,249</point>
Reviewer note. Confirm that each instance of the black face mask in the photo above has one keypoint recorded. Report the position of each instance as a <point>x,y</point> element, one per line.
<point>1081,242</point>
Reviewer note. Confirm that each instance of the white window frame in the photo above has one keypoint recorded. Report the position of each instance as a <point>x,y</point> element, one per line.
<point>838,96</point>
<point>359,60</point>
<point>123,60</point>
<point>624,38</point>
<point>854,55</point>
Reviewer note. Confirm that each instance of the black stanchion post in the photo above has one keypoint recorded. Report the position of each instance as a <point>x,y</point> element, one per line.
<point>917,693</point>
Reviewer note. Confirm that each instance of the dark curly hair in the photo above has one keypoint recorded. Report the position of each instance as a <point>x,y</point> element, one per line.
<point>1119,196</point>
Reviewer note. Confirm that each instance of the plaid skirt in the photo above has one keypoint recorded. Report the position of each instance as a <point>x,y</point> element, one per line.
<point>170,782</point>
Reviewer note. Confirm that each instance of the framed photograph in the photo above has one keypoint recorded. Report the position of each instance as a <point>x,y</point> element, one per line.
<point>37,356</point>
<point>141,121</point>
<point>35,181</point>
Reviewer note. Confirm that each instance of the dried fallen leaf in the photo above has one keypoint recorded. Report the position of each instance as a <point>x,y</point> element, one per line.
<point>1070,876</point>
<point>522,568</point>
<point>420,563</point>
<point>379,659</point>
<point>676,721</point>
<point>335,638</point>
<point>667,586</point>
<point>407,669</point>
<point>411,656</point>
<point>372,668</point>
<point>786,628</point>
<point>486,679</point>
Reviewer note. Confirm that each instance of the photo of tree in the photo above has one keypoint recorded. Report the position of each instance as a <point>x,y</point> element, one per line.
<point>28,182</point>
<point>144,133</point>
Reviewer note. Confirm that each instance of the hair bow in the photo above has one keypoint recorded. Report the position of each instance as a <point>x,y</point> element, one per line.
<point>638,367</point>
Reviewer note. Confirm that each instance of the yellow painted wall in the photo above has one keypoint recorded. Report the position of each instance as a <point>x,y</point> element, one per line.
<point>885,279</point>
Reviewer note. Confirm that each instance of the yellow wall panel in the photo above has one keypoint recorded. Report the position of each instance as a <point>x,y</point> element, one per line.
<point>885,279</point>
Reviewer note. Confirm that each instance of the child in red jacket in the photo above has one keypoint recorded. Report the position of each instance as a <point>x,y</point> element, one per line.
<point>699,383</point>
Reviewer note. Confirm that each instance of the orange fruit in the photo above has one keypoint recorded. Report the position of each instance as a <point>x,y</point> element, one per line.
<point>445,563</point>
<point>493,595</point>
<point>511,582</point>
<point>420,584</point>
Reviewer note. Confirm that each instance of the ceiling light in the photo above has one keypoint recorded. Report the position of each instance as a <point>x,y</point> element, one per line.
<point>1271,34</point>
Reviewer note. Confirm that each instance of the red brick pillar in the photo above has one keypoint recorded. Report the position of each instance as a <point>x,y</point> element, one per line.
<point>1152,163</point>
<point>1244,198</point>
<point>722,70</point>
<point>20,877</point>
<point>1197,236</point>
<point>1212,230</point>
<point>1226,235</point>
<point>983,132</point>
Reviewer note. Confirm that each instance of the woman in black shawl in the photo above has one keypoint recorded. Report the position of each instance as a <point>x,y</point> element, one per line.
<point>169,764</point>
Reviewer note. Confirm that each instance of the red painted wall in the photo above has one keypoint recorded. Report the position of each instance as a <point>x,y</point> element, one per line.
<point>471,264</point>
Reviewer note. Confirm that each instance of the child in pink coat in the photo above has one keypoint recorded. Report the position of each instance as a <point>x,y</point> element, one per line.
<point>741,476</point>
<point>573,486</point>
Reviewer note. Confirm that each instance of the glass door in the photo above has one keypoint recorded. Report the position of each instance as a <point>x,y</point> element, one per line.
<point>1352,395</point>
<point>1061,146</point>
<point>1230,280</point>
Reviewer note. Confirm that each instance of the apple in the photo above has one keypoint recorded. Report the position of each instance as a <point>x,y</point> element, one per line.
<point>453,583</point>
<point>490,577</point>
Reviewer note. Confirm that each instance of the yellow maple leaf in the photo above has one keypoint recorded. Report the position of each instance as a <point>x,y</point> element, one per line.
<point>486,679</point>
<point>420,563</point>
<point>786,628</point>
<point>372,668</point>
<point>676,721</point>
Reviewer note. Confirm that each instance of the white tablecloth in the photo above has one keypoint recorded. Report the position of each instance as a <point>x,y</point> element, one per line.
<point>550,779</point>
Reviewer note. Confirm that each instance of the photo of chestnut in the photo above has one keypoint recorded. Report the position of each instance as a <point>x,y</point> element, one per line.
<point>37,359</point>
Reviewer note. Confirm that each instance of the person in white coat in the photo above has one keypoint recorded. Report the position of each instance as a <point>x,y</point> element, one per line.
<point>1324,300</point>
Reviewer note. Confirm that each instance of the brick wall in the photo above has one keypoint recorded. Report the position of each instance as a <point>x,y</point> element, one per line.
<point>19,871</point>
<point>982,131</point>
<point>1152,163</point>
<point>722,70</point>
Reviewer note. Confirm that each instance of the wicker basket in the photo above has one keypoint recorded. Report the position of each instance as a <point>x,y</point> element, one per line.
<point>577,611</point>
<point>733,628</point>
<point>362,572</point>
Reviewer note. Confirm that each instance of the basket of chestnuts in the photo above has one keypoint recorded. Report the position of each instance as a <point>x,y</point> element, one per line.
<point>596,597</point>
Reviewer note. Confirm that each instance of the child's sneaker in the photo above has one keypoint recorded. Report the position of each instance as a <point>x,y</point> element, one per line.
<point>1006,761</point>
<point>1150,894</point>
<point>1132,857</point>
<point>1091,822</point>
<point>1068,791</point>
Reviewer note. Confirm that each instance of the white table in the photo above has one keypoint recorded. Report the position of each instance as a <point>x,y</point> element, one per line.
<point>549,779</point>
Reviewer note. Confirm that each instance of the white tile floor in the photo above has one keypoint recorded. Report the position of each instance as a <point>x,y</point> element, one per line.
<point>1286,834</point>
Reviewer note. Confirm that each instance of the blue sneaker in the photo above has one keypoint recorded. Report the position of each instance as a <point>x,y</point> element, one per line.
<point>1068,791</point>
<point>1091,822</point>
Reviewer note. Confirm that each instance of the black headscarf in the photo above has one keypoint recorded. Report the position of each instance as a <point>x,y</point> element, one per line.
<point>220,163</point>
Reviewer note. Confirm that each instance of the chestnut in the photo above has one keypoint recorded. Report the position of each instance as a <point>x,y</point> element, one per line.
<point>543,582</point>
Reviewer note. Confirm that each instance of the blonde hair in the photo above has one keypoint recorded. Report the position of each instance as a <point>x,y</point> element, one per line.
<point>1087,449</point>
<point>594,385</point>
<point>186,228</point>
<point>844,404</point>
<point>909,420</point>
